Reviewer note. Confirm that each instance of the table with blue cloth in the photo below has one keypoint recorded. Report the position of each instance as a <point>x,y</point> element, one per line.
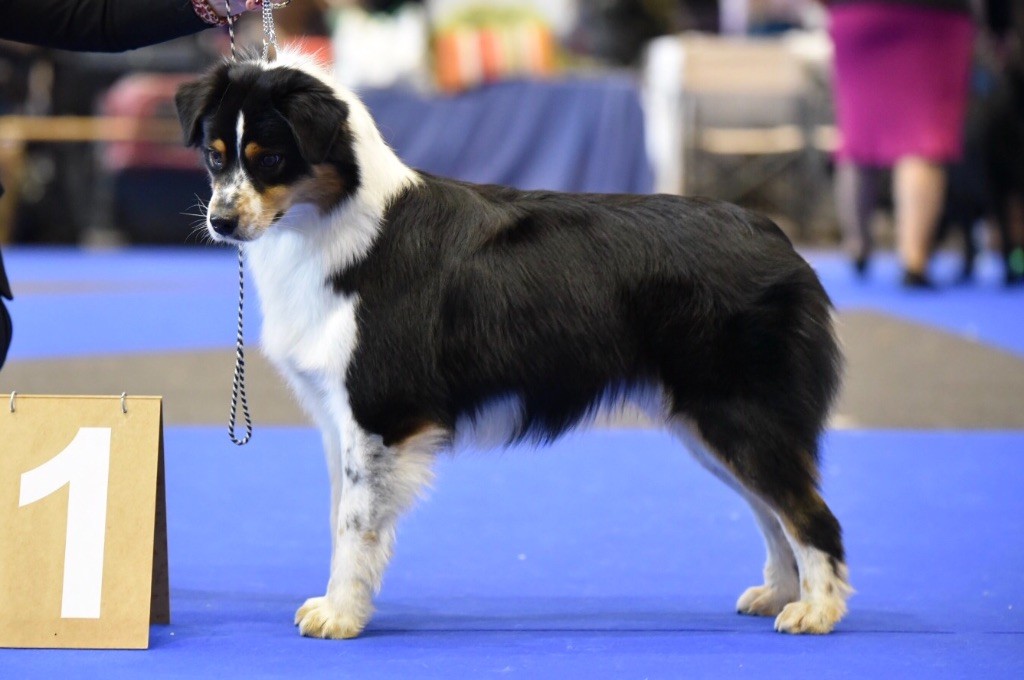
<point>581,134</point>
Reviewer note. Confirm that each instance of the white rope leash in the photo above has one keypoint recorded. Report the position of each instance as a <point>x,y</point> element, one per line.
<point>238,383</point>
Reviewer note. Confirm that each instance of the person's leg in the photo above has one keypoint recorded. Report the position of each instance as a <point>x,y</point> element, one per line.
<point>5,317</point>
<point>919,188</point>
<point>856,199</point>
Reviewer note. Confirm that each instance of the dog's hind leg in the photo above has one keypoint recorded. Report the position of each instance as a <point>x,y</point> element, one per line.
<point>380,482</point>
<point>752,450</point>
<point>781,577</point>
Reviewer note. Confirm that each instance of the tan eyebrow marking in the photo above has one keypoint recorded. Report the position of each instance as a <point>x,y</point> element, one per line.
<point>252,149</point>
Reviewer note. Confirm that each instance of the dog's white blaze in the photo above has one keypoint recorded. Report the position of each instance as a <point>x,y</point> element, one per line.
<point>239,133</point>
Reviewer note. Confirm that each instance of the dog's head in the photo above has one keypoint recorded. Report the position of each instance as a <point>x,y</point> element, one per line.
<point>272,137</point>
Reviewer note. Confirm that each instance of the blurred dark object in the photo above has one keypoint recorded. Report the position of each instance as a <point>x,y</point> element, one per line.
<point>5,318</point>
<point>303,18</point>
<point>988,183</point>
<point>148,185</point>
<point>15,63</point>
<point>63,192</point>
<point>616,31</point>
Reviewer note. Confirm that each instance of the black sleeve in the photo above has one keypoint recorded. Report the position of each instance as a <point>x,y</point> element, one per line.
<point>97,25</point>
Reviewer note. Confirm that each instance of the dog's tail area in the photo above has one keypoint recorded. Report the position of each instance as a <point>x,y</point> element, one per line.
<point>787,346</point>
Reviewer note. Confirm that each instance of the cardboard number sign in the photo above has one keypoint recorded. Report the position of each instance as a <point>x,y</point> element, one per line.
<point>83,538</point>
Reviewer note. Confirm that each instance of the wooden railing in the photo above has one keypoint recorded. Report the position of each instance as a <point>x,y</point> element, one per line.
<point>18,131</point>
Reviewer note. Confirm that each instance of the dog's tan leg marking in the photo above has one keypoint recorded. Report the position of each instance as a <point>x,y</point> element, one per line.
<point>824,589</point>
<point>380,482</point>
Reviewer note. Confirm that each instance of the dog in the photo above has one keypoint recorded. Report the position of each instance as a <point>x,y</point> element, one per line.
<point>412,313</point>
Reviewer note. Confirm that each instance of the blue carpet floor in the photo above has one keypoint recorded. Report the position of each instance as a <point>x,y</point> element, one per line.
<point>609,555</point>
<point>567,563</point>
<point>71,303</point>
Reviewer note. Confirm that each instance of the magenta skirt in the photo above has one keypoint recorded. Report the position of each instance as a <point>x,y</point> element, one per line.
<point>901,81</point>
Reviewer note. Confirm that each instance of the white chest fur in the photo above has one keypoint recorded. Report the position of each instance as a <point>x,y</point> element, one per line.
<point>307,327</point>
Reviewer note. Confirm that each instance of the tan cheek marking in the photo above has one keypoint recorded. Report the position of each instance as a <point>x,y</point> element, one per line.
<point>323,189</point>
<point>257,210</point>
<point>277,199</point>
<point>249,206</point>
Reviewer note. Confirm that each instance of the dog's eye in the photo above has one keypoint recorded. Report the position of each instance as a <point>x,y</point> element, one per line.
<point>215,159</point>
<point>270,160</point>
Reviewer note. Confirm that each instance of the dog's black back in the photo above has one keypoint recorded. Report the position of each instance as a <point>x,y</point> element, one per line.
<point>567,300</point>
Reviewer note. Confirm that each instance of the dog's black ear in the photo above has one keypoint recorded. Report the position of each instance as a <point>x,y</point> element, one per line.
<point>317,119</point>
<point>195,99</point>
<point>192,101</point>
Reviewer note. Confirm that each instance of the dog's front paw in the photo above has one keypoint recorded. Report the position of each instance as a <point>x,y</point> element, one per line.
<point>318,618</point>
<point>764,600</point>
<point>810,616</point>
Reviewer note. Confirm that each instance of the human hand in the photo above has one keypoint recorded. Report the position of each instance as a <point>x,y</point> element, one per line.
<point>237,6</point>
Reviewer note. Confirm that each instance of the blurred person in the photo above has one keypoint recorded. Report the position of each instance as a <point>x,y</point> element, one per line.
<point>102,26</point>
<point>987,185</point>
<point>901,78</point>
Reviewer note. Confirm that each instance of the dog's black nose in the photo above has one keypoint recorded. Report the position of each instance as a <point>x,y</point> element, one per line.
<point>223,225</point>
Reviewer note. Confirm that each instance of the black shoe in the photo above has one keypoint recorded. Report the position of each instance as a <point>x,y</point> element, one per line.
<point>966,276</point>
<point>860,266</point>
<point>5,318</point>
<point>917,280</point>
<point>1014,268</point>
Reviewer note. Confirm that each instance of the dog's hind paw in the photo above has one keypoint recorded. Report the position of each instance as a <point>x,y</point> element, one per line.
<point>764,600</point>
<point>318,618</point>
<point>809,617</point>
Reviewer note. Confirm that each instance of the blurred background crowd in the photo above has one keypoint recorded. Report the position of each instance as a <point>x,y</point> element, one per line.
<point>856,124</point>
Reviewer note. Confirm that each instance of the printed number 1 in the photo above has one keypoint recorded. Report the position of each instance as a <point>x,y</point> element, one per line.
<point>84,465</point>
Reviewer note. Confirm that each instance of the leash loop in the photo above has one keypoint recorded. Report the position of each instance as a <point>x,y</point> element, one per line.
<point>238,385</point>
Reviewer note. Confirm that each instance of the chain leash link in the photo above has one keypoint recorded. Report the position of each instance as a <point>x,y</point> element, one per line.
<point>269,34</point>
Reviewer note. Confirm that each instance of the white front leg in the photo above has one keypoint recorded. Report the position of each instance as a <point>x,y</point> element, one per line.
<point>308,392</point>
<point>378,483</point>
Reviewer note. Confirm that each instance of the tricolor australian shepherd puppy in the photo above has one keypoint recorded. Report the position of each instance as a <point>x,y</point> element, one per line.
<point>411,312</point>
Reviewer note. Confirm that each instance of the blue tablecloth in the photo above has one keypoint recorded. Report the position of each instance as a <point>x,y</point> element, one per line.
<point>577,134</point>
